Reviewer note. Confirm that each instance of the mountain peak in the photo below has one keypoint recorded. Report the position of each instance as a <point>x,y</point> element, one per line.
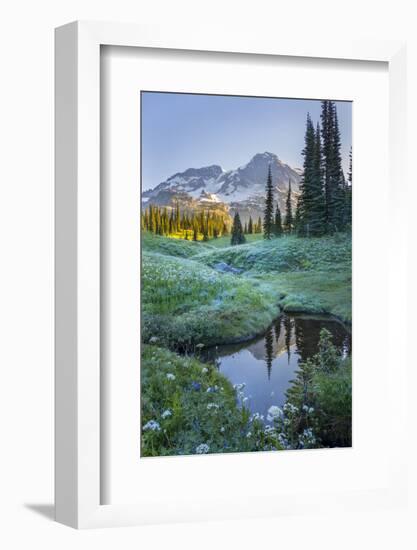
<point>213,171</point>
<point>243,186</point>
<point>265,157</point>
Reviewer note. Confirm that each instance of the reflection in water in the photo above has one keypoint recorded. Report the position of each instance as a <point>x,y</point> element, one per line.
<point>267,364</point>
<point>269,350</point>
<point>288,335</point>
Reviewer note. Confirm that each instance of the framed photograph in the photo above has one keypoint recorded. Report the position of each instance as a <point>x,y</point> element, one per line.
<point>220,300</point>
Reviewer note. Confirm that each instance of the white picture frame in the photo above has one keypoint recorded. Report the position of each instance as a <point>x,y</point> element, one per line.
<point>77,242</point>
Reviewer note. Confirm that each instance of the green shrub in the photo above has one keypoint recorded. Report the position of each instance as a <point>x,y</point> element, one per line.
<point>318,411</point>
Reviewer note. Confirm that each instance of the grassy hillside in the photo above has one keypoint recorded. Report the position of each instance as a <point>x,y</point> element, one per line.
<point>284,254</point>
<point>186,301</point>
<point>223,242</point>
<point>172,246</point>
<point>310,275</point>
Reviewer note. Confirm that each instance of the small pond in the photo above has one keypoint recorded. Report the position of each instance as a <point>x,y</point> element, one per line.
<point>266,364</point>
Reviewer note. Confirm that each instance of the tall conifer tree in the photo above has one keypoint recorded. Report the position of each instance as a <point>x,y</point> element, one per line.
<point>269,207</point>
<point>318,226</point>
<point>289,221</point>
<point>297,218</point>
<point>305,209</point>
<point>259,225</point>
<point>237,231</point>
<point>326,132</point>
<point>250,226</point>
<point>338,178</point>
<point>277,222</point>
<point>334,184</point>
<point>349,193</point>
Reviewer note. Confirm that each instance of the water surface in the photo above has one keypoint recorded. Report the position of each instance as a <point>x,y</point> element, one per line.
<point>267,364</point>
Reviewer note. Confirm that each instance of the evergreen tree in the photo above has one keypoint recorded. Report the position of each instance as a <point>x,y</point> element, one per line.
<point>250,226</point>
<point>195,233</point>
<point>326,132</point>
<point>245,229</point>
<point>311,206</point>
<point>318,225</point>
<point>269,207</point>
<point>334,185</point>
<point>277,222</point>
<point>338,178</point>
<point>150,224</point>
<point>177,217</point>
<point>259,225</point>
<point>297,219</point>
<point>237,231</point>
<point>350,167</point>
<point>289,222</point>
<point>349,193</point>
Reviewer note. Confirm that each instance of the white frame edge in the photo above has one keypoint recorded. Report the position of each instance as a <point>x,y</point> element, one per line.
<point>77,232</point>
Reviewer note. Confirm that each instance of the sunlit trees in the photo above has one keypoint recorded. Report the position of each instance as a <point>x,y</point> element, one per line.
<point>172,222</point>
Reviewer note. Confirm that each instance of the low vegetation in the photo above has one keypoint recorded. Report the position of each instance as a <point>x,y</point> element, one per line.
<point>189,408</point>
<point>186,303</point>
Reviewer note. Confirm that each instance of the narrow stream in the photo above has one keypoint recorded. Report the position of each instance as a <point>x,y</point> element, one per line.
<point>266,364</point>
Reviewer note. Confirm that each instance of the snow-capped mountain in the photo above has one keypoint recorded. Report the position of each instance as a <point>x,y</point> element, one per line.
<point>242,189</point>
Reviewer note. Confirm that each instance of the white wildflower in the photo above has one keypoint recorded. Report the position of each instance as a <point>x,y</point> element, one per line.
<point>256,416</point>
<point>222,429</point>
<point>202,449</point>
<point>204,370</point>
<point>290,408</point>
<point>212,406</point>
<point>167,413</point>
<point>170,376</point>
<point>274,412</point>
<point>152,425</point>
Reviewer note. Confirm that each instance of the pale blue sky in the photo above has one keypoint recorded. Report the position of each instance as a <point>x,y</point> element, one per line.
<point>181,131</point>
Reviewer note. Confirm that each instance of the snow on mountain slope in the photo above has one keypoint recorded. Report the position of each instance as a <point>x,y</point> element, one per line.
<point>242,189</point>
